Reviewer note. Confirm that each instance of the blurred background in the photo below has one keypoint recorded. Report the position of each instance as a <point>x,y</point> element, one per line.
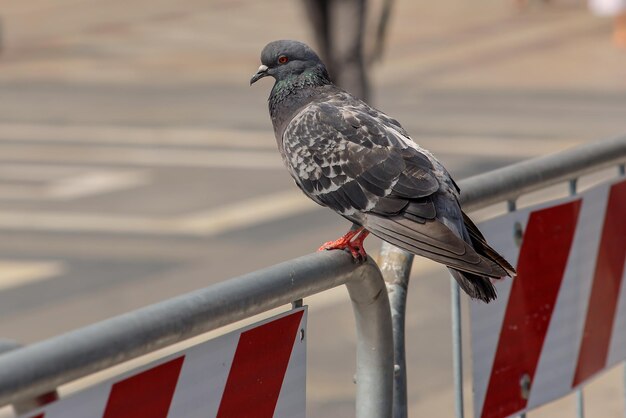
<point>136,163</point>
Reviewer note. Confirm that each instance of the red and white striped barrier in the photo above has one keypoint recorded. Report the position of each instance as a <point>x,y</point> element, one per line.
<point>563,319</point>
<point>258,371</point>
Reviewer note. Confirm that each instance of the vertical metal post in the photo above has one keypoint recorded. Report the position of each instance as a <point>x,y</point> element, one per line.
<point>395,266</point>
<point>621,169</point>
<point>580,404</point>
<point>511,205</point>
<point>573,183</point>
<point>457,348</point>
<point>374,346</point>
<point>624,383</point>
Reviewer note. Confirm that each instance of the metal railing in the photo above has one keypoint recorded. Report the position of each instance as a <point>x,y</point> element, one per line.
<point>38,368</point>
<point>28,372</point>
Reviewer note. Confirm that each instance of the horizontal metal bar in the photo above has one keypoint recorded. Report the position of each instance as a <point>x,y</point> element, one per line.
<point>38,368</point>
<point>510,182</point>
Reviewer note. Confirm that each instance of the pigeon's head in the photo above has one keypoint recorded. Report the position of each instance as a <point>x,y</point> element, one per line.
<point>285,59</point>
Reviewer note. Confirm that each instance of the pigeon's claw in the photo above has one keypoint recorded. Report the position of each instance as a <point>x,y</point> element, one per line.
<point>354,246</point>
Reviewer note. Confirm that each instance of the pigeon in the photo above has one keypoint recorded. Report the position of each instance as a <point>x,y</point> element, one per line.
<point>359,162</point>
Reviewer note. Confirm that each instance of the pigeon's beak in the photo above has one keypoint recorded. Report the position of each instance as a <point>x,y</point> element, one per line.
<point>262,72</point>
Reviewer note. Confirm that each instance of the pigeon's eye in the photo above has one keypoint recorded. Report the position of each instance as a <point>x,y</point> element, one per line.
<point>283,59</point>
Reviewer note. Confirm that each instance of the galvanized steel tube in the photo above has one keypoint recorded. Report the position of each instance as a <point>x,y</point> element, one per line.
<point>374,347</point>
<point>512,181</point>
<point>395,266</point>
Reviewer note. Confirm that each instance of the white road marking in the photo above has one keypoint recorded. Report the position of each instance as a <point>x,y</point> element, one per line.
<point>44,182</point>
<point>17,273</point>
<point>129,135</point>
<point>145,156</point>
<point>207,223</point>
<point>82,222</point>
<point>96,182</point>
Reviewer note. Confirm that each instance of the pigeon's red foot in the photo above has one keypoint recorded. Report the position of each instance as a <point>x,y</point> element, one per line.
<point>354,246</point>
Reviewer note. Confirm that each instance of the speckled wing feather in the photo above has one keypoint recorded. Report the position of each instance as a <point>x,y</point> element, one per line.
<point>362,164</point>
<point>343,158</point>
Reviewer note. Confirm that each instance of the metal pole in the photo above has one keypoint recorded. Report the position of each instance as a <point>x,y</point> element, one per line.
<point>374,350</point>
<point>517,179</point>
<point>457,349</point>
<point>395,266</point>
<point>624,384</point>
<point>580,404</point>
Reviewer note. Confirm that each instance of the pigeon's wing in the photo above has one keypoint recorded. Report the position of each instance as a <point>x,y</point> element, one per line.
<point>360,163</point>
<point>346,159</point>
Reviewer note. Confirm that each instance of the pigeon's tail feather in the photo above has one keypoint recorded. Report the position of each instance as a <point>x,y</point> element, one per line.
<point>472,262</point>
<point>435,241</point>
<point>480,245</point>
<point>477,287</point>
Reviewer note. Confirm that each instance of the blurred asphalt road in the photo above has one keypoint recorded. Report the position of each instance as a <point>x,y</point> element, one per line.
<point>136,163</point>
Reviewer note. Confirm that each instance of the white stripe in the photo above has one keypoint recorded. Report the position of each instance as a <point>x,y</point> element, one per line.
<point>40,182</point>
<point>151,157</point>
<point>291,401</point>
<point>203,378</point>
<point>15,273</point>
<point>89,403</point>
<point>96,182</point>
<point>110,134</point>
<point>208,223</point>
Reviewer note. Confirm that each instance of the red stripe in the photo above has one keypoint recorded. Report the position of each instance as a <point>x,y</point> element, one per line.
<point>542,260</point>
<point>145,395</point>
<point>594,348</point>
<point>258,369</point>
<point>47,398</point>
